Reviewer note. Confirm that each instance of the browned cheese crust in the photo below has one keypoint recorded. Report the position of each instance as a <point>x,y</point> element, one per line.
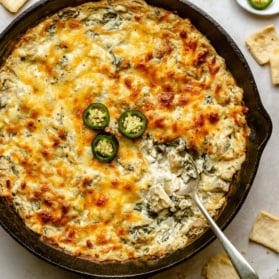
<point>126,55</point>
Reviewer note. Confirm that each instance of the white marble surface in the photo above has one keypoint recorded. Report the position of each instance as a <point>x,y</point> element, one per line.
<point>17,263</point>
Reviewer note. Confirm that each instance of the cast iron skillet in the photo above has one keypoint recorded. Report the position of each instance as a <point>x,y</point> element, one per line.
<point>258,119</point>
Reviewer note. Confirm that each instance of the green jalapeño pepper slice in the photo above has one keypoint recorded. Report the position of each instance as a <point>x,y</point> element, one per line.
<point>104,147</point>
<point>96,116</point>
<point>260,4</point>
<point>132,123</point>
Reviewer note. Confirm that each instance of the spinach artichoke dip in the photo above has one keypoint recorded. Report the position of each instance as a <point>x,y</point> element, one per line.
<point>108,111</point>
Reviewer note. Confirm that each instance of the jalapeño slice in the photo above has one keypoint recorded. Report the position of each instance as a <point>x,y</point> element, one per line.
<point>104,147</point>
<point>260,4</point>
<point>96,116</point>
<point>132,123</point>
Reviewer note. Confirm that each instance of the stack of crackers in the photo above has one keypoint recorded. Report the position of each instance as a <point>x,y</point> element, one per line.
<point>264,46</point>
<point>265,231</point>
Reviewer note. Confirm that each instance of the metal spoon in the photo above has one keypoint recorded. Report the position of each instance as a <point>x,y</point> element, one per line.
<point>242,267</point>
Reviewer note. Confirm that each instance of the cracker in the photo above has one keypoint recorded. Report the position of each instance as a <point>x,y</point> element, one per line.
<point>262,43</point>
<point>265,231</point>
<point>218,267</point>
<point>13,5</point>
<point>274,65</point>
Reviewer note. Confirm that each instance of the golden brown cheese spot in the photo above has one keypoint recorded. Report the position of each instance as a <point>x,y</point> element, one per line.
<point>74,24</point>
<point>166,98</point>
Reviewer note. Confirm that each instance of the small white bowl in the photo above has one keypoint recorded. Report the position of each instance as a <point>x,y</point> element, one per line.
<point>272,9</point>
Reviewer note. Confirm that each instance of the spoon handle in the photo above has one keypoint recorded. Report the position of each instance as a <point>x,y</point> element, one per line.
<point>242,267</point>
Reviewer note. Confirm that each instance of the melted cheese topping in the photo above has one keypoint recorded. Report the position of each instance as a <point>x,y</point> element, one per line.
<point>126,55</point>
